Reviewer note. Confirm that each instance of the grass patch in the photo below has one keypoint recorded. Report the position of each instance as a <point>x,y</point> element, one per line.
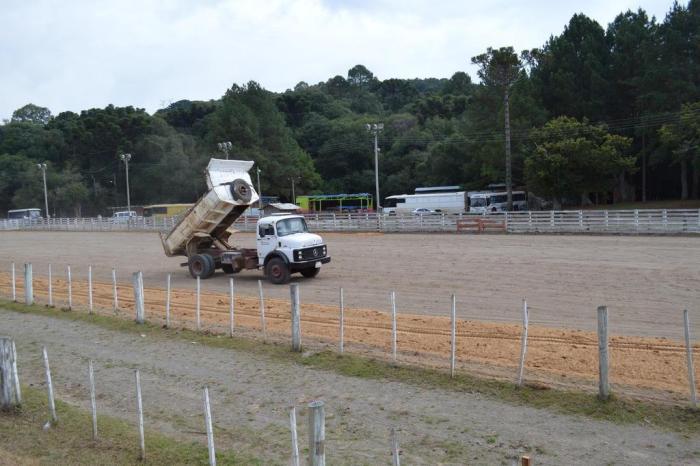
<point>618,410</point>
<point>70,441</point>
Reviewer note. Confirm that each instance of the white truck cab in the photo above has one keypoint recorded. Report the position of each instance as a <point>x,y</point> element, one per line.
<point>285,246</point>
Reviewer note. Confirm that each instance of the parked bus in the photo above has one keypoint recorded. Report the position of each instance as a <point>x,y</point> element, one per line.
<point>30,214</point>
<point>160,211</point>
<point>496,202</point>
<point>454,202</point>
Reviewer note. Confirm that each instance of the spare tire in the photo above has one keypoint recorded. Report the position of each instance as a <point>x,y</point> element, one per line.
<point>241,191</point>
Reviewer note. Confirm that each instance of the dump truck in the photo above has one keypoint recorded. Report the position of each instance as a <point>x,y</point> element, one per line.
<point>283,243</point>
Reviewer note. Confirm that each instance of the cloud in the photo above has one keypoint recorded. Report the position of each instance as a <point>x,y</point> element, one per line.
<point>82,54</point>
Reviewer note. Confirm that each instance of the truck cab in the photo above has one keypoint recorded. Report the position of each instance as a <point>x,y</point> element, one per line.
<point>285,246</point>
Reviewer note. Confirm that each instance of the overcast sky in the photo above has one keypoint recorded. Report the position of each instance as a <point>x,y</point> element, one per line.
<point>79,54</point>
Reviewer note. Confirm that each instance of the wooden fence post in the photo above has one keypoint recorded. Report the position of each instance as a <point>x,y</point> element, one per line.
<point>525,461</point>
<point>603,387</point>
<point>49,388</point>
<point>10,394</point>
<point>393,325</point>
<point>689,357</point>
<point>523,345</point>
<point>453,336</point>
<point>137,279</point>
<point>114,290</point>
<point>90,289</point>
<point>232,307</point>
<point>210,428</point>
<point>50,288</point>
<point>317,434</point>
<point>93,403</point>
<point>296,318</point>
<point>262,309</point>
<point>70,289</point>
<point>28,284</point>
<point>342,322</point>
<point>139,410</point>
<point>396,459</point>
<point>197,311</point>
<point>167,302</point>
<point>295,443</point>
<point>14,283</point>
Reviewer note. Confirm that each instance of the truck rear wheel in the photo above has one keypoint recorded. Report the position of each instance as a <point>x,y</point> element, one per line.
<point>309,273</point>
<point>201,265</point>
<point>277,271</point>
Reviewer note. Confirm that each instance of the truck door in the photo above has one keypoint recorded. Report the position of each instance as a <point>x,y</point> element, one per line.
<point>267,241</point>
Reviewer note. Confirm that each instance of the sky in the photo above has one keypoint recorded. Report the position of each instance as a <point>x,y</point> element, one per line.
<point>80,54</point>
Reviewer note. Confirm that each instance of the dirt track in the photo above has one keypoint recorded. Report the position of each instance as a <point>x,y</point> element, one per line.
<point>645,281</point>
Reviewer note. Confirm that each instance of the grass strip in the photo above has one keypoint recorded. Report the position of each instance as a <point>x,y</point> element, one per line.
<point>24,441</point>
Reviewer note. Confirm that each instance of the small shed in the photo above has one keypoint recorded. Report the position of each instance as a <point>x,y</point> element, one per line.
<point>281,207</point>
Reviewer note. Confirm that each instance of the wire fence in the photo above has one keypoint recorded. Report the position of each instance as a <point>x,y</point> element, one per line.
<point>630,222</point>
<point>486,348</point>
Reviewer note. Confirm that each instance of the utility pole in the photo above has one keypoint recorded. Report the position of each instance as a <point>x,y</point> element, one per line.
<point>225,147</point>
<point>125,158</point>
<point>293,179</point>
<point>259,192</point>
<point>509,177</point>
<point>42,167</point>
<point>375,128</point>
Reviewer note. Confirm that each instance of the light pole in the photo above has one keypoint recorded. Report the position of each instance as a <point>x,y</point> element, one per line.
<point>225,147</point>
<point>259,192</point>
<point>375,128</point>
<point>42,167</point>
<point>125,158</point>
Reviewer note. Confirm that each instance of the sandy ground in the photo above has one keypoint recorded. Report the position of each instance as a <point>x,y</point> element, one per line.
<point>640,366</point>
<point>646,282</point>
<point>251,395</point>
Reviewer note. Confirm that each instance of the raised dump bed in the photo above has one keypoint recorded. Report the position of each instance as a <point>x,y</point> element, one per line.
<point>206,224</point>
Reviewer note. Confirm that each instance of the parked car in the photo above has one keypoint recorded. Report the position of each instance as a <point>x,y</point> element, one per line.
<point>124,216</point>
<point>423,211</point>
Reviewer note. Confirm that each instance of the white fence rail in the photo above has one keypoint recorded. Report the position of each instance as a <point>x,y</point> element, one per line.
<point>662,221</point>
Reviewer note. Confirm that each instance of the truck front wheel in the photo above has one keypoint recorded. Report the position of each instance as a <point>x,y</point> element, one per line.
<point>277,271</point>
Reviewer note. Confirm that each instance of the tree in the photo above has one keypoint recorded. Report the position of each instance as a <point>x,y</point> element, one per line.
<point>501,68</point>
<point>573,158</point>
<point>682,139</point>
<point>31,113</point>
<point>571,70</point>
<point>360,76</point>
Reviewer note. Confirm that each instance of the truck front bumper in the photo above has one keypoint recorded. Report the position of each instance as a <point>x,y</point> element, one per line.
<point>309,264</point>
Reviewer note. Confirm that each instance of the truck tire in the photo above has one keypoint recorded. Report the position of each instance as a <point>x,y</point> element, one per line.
<point>309,273</point>
<point>277,271</point>
<point>240,190</point>
<point>201,265</point>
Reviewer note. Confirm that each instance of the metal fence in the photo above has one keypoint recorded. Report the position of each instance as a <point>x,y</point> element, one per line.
<point>661,221</point>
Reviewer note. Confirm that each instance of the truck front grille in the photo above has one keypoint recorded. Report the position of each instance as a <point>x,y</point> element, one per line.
<point>307,254</point>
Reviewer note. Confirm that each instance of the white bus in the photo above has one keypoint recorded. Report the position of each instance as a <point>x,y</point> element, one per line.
<point>496,202</point>
<point>434,203</point>
<point>18,214</point>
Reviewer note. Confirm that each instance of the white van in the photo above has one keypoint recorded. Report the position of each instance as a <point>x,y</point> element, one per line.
<point>123,216</point>
<point>496,202</point>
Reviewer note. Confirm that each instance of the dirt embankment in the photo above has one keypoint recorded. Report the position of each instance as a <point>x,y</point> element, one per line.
<point>555,354</point>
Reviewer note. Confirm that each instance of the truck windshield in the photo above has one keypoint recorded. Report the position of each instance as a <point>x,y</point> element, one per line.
<point>290,226</point>
<point>478,202</point>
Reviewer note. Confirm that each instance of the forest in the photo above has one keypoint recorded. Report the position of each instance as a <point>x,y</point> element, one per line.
<point>596,115</point>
